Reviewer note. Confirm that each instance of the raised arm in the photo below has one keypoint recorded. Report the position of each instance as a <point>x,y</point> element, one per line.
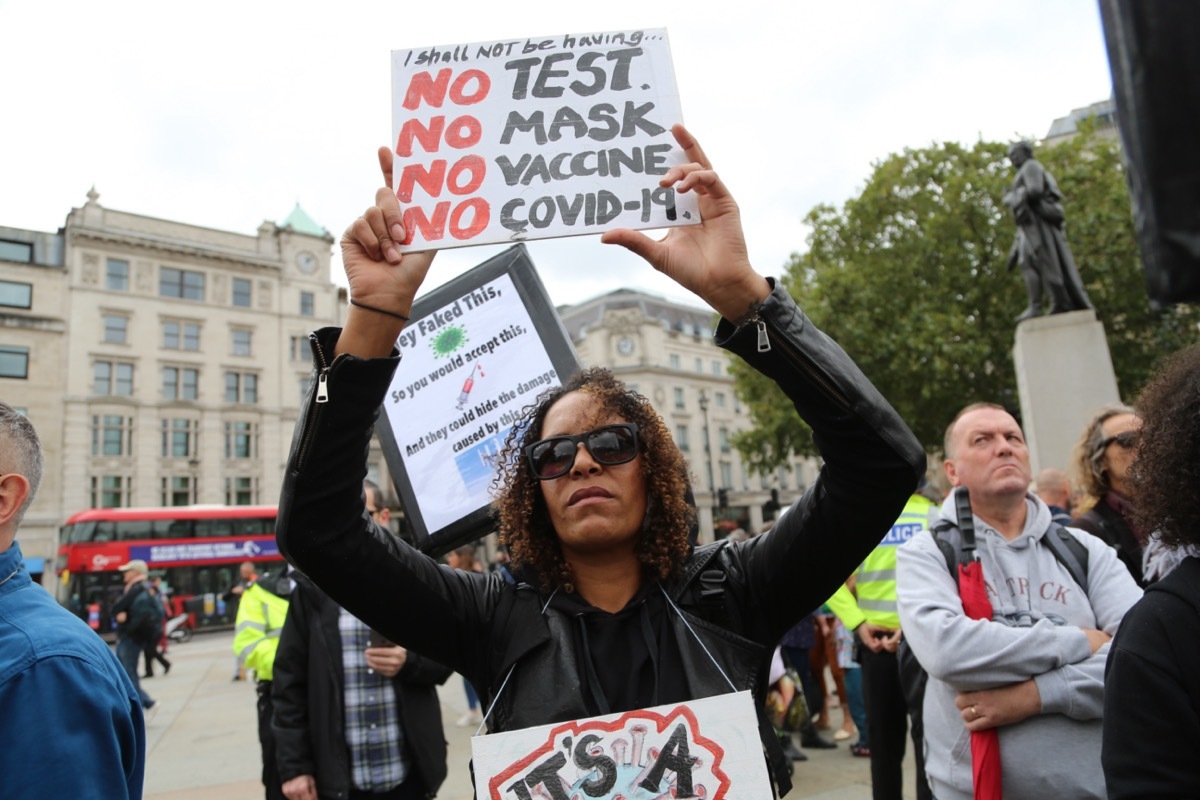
<point>383,282</point>
<point>709,259</point>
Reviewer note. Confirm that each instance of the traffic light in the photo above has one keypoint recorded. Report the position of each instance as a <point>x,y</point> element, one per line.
<point>722,498</point>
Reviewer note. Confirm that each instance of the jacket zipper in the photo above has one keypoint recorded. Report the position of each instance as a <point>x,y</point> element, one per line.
<point>322,397</point>
<point>806,365</point>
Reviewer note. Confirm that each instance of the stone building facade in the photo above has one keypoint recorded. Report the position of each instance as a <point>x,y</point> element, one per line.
<point>162,363</point>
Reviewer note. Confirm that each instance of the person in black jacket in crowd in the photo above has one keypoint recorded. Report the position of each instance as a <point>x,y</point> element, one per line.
<point>607,614</point>
<point>355,717</point>
<point>1152,679</point>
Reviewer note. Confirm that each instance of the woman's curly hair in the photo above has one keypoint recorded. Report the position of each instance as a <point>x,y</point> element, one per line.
<point>1088,463</point>
<point>524,522</point>
<point>1166,470</point>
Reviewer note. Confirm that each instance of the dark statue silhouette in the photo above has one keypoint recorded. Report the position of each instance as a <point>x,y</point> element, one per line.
<point>1041,247</point>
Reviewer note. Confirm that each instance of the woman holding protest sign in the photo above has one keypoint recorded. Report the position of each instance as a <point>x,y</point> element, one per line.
<point>613,609</point>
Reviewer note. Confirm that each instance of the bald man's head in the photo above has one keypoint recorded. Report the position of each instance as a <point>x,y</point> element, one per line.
<point>1054,487</point>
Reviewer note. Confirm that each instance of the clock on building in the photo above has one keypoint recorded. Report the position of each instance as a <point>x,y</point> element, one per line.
<point>625,345</point>
<point>306,261</point>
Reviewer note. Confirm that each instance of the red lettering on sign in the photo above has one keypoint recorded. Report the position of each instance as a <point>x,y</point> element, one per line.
<point>432,91</point>
<point>464,178</point>
<point>480,216</point>
<point>434,228</point>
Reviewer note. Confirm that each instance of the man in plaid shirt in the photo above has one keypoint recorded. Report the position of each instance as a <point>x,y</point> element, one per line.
<point>355,715</point>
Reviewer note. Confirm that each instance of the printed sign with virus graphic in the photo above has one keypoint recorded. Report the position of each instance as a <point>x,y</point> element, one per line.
<point>706,748</point>
<point>477,351</point>
<point>535,138</point>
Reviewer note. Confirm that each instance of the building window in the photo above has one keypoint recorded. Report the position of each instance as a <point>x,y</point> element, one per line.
<point>16,295</point>
<point>299,349</point>
<point>681,437</point>
<point>110,491</point>
<point>240,338</point>
<point>181,283</point>
<point>112,435</point>
<point>723,439</point>
<point>241,440</point>
<point>716,366</point>
<point>241,387</point>
<point>181,335</point>
<point>720,399</point>
<point>675,361</point>
<point>782,474</point>
<point>178,490</point>
<point>180,383</point>
<point>116,275</point>
<point>305,385</point>
<point>178,438</point>
<point>726,474</point>
<point>306,304</point>
<point>241,292</point>
<point>745,479</point>
<point>116,328</point>
<point>699,364</point>
<point>241,491</point>
<point>16,251</point>
<point>113,378</point>
<point>14,362</point>
<point>679,397</point>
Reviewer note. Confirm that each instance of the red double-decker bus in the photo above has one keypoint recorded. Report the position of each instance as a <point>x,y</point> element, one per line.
<point>196,550</point>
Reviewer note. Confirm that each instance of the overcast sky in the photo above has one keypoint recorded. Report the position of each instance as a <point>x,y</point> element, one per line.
<point>224,114</point>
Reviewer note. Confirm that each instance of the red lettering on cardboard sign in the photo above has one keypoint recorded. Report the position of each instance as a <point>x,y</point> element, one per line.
<point>432,91</point>
<point>434,228</point>
<point>545,759</point>
<point>462,132</point>
<point>433,177</point>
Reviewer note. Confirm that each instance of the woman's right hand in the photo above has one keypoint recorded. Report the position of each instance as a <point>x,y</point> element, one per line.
<point>380,275</point>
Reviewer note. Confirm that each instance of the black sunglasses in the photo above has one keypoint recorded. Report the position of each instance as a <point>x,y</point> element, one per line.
<point>609,445</point>
<point>1126,441</point>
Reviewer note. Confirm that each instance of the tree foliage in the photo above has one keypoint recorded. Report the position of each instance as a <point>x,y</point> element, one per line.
<point>910,278</point>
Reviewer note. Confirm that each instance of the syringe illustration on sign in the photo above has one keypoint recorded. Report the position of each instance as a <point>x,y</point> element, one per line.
<point>468,385</point>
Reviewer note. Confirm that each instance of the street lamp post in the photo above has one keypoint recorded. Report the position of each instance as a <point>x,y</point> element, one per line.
<point>712,484</point>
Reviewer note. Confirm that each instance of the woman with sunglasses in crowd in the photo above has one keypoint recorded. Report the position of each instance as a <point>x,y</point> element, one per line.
<point>613,608</point>
<point>1103,457</point>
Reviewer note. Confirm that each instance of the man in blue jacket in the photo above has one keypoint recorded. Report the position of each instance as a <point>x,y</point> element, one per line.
<point>72,723</point>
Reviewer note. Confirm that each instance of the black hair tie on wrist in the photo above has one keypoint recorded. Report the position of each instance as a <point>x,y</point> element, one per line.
<point>354,302</point>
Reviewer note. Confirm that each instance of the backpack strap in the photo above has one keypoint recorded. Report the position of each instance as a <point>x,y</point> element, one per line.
<point>1070,552</point>
<point>949,540</point>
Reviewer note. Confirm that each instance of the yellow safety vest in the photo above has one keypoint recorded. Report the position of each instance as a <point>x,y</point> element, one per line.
<point>259,623</point>
<point>876,576</point>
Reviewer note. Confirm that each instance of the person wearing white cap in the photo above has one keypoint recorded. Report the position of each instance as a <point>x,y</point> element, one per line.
<point>136,622</point>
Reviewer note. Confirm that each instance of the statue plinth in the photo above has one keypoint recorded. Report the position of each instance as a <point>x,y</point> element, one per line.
<point>1064,373</point>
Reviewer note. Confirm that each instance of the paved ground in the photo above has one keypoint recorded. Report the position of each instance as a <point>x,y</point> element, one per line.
<point>204,744</point>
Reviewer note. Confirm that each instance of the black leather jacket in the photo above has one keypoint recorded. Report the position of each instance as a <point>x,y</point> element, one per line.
<point>481,626</point>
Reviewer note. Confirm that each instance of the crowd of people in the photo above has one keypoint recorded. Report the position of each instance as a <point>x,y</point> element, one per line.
<point>1088,685</point>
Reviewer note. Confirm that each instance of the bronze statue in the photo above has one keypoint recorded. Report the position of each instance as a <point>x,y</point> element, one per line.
<point>1041,246</point>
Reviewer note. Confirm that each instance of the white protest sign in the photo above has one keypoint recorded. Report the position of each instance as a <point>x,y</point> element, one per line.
<point>536,138</point>
<point>467,369</point>
<point>705,748</point>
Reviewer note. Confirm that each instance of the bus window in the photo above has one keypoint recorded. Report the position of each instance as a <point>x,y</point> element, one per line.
<point>214,527</point>
<point>134,529</point>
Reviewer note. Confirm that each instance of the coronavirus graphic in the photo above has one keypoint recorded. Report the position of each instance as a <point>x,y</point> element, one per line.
<point>448,341</point>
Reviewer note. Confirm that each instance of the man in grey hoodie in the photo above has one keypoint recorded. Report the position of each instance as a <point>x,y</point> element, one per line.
<point>1035,670</point>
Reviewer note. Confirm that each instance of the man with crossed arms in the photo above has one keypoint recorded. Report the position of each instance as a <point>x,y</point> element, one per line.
<point>1035,671</point>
